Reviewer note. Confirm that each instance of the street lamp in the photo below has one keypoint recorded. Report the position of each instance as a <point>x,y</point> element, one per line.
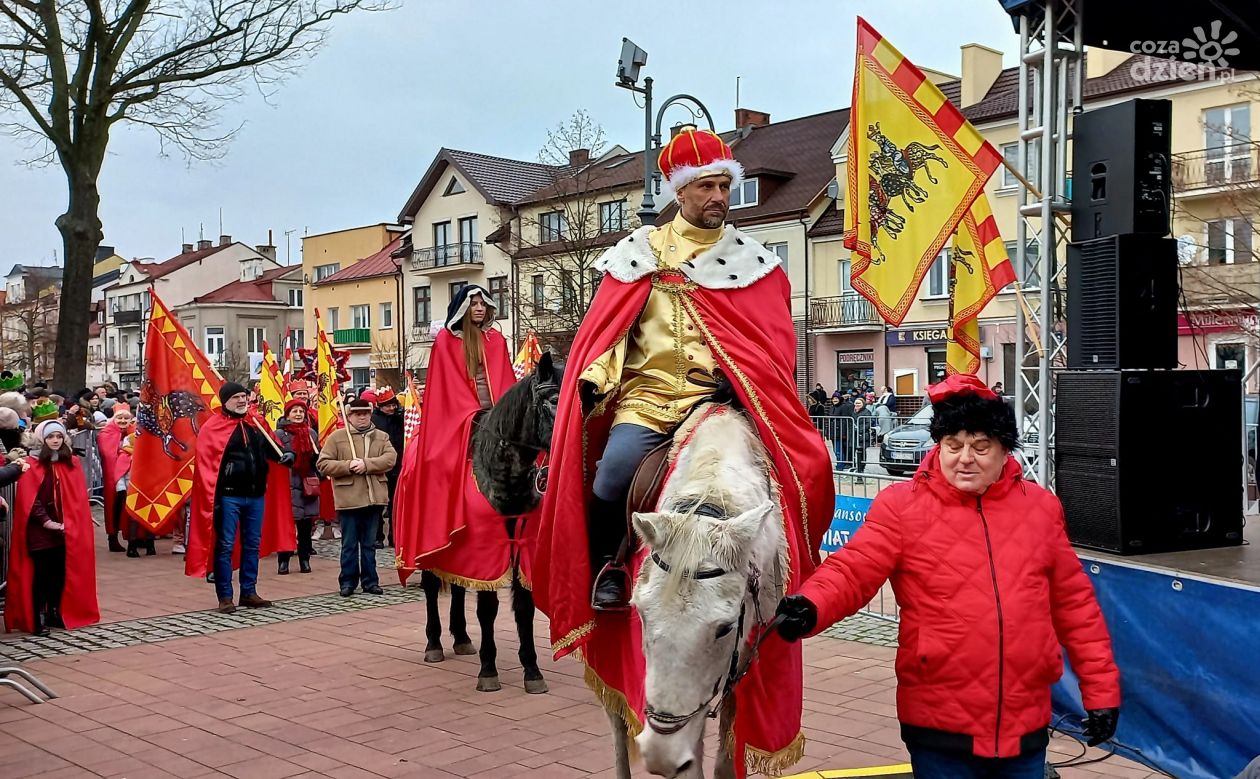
<point>632,59</point>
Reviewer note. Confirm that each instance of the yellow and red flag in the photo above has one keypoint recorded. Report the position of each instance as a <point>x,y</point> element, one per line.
<point>411,404</point>
<point>179,392</point>
<point>273,391</point>
<point>980,268</point>
<point>327,387</point>
<point>527,357</point>
<point>915,166</point>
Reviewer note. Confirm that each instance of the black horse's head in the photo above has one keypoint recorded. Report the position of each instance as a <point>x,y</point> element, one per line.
<point>544,392</point>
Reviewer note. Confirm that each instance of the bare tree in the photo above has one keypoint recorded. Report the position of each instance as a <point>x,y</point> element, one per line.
<point>71,70</point>
<point>28,333</point>
<point>233,364</point>
<point>563,231</point>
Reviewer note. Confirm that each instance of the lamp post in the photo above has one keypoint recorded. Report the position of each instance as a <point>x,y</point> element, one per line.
<point>632,59</point>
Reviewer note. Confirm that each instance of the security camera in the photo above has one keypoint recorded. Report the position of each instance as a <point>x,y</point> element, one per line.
<point>632,58</point>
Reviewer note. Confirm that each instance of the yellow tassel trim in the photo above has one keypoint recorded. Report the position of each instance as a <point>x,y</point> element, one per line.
<point>615,703</point>
<point>575,635</point>
<point>774,763</point>
<point>473,584</point>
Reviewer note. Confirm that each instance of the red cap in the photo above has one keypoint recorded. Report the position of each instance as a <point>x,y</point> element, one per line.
<point>295,403</point>
<point>960,384</point>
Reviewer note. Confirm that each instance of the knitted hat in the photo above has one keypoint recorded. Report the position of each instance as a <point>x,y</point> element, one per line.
<point>230,389</point>
<point>385,395</point>
<point>358,404</point>
<point>48,427</point>
<point>43,411</point>
<point>295,403</point>
<point>8,419</point>
<point>11,380</point>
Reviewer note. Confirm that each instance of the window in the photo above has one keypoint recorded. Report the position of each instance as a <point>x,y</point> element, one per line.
<point>334,318</point>
<point>454,287</point>
<point>846,276</point>
<point>568,290</point>
<point>538,291</point>
<point>361,316</point>
<point>361,377</point>
<point>745,194</point>
<point>324,271</point>
<point>125,354</point>
<point>216,344</point>
<point>554,227</point>
<point>442,251</point>
<point>453,187</point>
<point>1010,151</point>
<point>596,278</point>
<point>254,337</point>
<point>1230,355</point>
<point>295,297</point>
<point>387,316</point>
<point>468,238</point>
<point>113,349</point>
<point>781,249</point>
<point>499,293</point>
<point>298,339</point>
<point>1229,241</point>
<point>1227,136</point>
<point>612,216</point>
<point>938,276</point>
<point>1030,278</point>
<point>423,301</point>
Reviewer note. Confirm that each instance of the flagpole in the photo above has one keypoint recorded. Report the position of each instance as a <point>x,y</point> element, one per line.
<point>345,421</point>
<point>1032,189</point>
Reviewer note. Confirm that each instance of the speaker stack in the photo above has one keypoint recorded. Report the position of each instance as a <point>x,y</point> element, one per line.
<point>1148,458</point>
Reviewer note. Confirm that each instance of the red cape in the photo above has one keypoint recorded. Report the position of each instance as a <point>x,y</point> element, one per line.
<point>442,522</point>
<point>108,441</point>
<point>78,599</point>
<point>278,533</point>
<point>750,332</point>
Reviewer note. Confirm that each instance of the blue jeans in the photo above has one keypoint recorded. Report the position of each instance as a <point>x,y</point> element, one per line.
<point>237,516</point>
<point>933,764</point>
<point>358,546</point>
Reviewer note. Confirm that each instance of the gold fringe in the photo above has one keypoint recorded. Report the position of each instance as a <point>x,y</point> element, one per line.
<point>473,584</point>
<point>575,635</point>
<point>774,763</point>
<point>615,703</point>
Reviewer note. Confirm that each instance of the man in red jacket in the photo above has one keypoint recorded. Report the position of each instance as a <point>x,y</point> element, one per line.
<point>989,588</point>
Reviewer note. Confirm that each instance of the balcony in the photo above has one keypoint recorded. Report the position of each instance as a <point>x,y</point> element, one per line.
<point>128,317</point>
<point>353,336</point>
<point>451,256</point>
<point>843,312</point>
<point>1216,170</point>
<point>126,364</point>
<point>420,333</point>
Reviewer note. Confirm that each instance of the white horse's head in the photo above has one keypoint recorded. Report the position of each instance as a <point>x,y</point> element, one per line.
<point>714,572</point>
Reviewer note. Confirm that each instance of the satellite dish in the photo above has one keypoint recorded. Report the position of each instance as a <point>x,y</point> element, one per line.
<point>1187,250</point>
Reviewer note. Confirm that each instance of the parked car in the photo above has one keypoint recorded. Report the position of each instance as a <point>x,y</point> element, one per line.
<point>905,446</point>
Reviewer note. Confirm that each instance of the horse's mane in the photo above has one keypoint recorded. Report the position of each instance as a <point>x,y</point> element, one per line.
<point>514,408</point>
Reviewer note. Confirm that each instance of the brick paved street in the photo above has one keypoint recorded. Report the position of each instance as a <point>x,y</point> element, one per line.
<point>328,687</point>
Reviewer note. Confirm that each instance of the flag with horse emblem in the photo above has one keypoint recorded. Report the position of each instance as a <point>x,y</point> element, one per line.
<point>327,386</point>
<point>272,389</point>
<point>527,357</point>
<point>980,268</point>
<point>411,416</point>
<point>915,166</point>
<point>178,393</point>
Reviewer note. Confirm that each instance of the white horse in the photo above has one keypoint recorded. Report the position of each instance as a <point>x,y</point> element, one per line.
<point>715,571</point>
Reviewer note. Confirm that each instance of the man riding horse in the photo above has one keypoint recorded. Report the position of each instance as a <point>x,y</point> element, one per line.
<point>682,309</point>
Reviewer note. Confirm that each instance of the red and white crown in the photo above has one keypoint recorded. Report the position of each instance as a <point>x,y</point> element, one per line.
<point>694,154</point>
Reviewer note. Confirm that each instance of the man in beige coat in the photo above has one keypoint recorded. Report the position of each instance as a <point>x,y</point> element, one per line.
<point>357,460</point>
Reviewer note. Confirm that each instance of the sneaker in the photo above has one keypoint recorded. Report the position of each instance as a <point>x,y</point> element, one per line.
<point>178,549</point>
<point>318,533</point>
<point>336,531</point>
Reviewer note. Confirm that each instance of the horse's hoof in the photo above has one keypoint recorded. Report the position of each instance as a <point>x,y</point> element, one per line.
<point>536,686</point>
<point>434,655</point>
<point>465,648</point>
<point>488,684</point>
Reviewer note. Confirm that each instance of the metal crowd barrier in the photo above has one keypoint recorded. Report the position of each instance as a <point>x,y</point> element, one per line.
<point>868,485</point>
<point>83,442</point>
<point>858,441</point>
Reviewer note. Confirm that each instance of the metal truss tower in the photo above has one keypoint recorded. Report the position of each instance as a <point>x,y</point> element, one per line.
<point>1051,74</point>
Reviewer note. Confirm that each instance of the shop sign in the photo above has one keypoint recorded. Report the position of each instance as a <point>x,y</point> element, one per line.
<point>855,358</point>
<point>1196,322</point>
<point>926,336</point>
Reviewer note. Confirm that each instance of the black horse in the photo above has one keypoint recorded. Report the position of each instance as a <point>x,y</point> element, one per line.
<point>507,443</point>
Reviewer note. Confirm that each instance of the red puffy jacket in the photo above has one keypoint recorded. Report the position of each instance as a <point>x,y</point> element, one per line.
<point>989,588</point>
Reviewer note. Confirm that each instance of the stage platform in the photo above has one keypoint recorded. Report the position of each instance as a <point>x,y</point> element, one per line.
<point>1183,626</point>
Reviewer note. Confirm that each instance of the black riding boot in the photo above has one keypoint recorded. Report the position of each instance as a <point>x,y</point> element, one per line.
<point>282,564</point>
<point>606,525</point>
<point>304,563</point>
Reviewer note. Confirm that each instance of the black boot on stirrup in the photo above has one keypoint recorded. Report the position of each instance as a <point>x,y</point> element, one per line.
<point>607,527</point>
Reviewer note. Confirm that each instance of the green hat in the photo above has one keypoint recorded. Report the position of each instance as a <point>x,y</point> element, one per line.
<point>11,381</point>
<point>43,410</point>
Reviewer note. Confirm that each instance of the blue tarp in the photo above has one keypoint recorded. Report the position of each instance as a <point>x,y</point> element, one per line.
<point>1189,667</point>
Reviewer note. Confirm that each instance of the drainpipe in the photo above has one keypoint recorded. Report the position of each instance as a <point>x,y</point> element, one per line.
<point>809,319</point>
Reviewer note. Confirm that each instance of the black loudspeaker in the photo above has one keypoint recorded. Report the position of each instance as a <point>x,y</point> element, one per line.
<point>1122,303</point>
<point>1150,461</point>
<point>1121,170</point>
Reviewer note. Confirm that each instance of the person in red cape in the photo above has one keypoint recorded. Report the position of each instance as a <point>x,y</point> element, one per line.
<point>448,528</point>
<point>111,442</point>
<point>52,560</point>
<point>239,491</point>
<point>677,306</point>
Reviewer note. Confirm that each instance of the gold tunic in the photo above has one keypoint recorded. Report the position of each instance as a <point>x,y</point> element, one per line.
<point>649,367</point>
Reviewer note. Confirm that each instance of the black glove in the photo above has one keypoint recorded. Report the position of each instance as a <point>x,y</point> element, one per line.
<point>724,392</point>
<point>1100,725</point>
<point>799,617</point>
<point>287,458</point>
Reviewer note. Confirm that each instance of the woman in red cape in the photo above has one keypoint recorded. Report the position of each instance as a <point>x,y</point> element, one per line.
<point>749,330</point>
<point>279,534</point>
<point>78,606</point>
<point>444,523</point>
<point>115,450</point>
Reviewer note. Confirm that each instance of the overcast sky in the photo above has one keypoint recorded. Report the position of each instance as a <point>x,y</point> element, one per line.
<point>344,143</point>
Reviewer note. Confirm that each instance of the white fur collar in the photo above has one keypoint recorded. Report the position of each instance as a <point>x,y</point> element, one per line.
<point>735,261</point>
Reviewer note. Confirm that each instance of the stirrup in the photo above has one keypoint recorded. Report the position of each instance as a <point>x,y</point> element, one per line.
<point>612,569</point>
